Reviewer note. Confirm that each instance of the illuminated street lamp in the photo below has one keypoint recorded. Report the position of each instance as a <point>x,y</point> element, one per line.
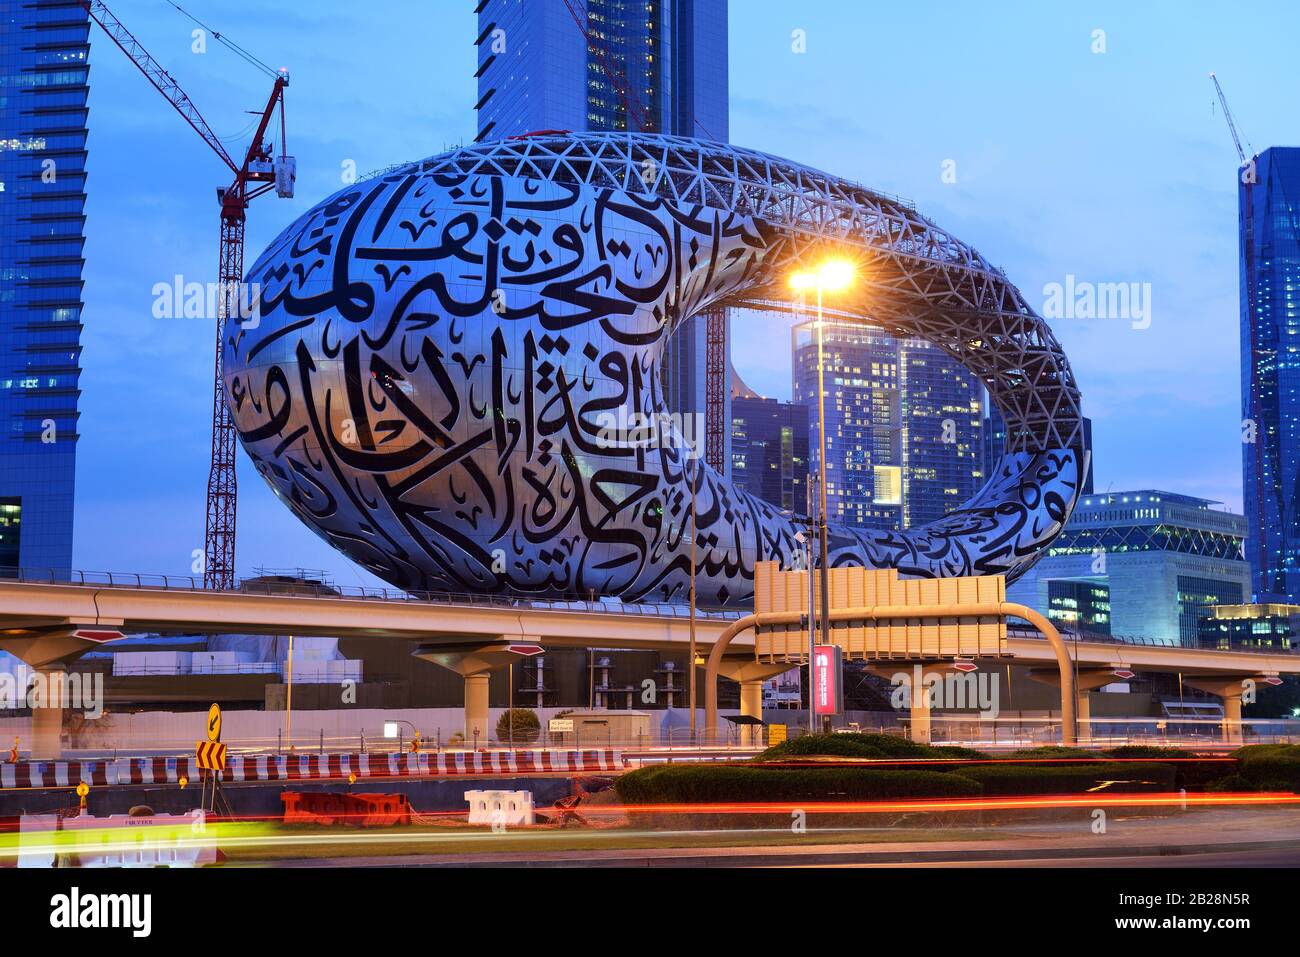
<point>833,275</point>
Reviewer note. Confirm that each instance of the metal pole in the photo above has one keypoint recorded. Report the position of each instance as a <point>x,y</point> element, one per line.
<point>288,699</point>
<point>821,490</point>
<point>812,627</point>
<point>690,658</point>
<point>510,709</point>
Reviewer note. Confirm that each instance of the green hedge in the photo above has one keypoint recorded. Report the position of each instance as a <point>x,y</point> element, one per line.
<point>864,746</point>
<point>1268,767</point>
<point>1051,752</point>
<point>696,784</point>
<point>1005,780</point>
<point>951,751</point>
<point>833,745</point>
<point>1147,751</point>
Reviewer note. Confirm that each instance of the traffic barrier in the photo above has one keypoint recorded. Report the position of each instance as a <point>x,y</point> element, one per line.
<point>501,807</point>
<point>362,810</point>
<point>118,840</point>
<point>47,774</point>
<point>314,767</point>
<point>156,770</point>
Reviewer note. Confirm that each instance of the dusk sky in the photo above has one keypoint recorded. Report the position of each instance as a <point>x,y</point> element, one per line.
<point>1108,167</point>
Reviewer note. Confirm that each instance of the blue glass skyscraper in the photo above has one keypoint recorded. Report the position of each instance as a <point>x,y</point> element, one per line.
<point>43,90</point>
<point>538,71</point>
<point>1269,222</point>
<point>904,425</point>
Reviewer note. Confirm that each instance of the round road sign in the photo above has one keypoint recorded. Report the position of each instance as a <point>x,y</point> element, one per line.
<point>214,723</point>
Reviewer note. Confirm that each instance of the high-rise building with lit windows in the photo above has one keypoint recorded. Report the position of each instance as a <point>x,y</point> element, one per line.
<point>769,447</point>
<point>904,424</point>
<point>1269,221</point>
<point>1162,558</point>
<point>545,65</point>
<point>43,114</point>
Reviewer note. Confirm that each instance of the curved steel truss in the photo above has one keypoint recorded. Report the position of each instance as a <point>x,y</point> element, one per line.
<point>919,279</point>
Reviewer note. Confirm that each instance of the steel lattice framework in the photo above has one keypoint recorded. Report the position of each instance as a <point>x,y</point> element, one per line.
<point>918,279</point>
<point>456,375</point>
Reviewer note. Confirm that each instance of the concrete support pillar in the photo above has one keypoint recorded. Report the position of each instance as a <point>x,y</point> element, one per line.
<point>920,676</point>
<point>476,708</point>
<point>751,673</point>
<point>47,718</point>
<point>1087,681</point>
<point>922,726</point>
<point>1230,689</point>
<point>751,705</point>
<point>1083,715</point>
<point>474,661</point>
<point>1232,718</point>
<point>49,652</point>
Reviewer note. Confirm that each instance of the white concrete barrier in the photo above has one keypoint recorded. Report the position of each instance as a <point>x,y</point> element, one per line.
<point>501,807</point>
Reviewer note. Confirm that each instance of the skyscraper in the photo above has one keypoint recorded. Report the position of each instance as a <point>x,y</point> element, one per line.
<point>1163,557</point>
<point>1269,223</point>
<point>769,447</point>
<point>547,65</point>
<point>904,425</point>
<point>43,91</point>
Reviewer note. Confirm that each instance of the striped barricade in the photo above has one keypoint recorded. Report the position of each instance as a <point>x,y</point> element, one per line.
<point>241,768</point>
<point>54,774</point>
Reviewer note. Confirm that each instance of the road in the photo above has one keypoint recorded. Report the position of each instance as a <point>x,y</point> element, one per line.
<point>1202,837</point>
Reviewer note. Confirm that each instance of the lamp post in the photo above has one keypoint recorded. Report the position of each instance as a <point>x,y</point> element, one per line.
<point>831,276</point>
<point>691,651</point>
<point>806,542</point>
<point>288,697</point>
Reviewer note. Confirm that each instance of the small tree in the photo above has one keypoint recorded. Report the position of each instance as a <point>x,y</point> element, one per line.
<point>519,725</point>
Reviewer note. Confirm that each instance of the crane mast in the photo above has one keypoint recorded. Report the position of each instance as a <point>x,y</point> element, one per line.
<point>258,173</point>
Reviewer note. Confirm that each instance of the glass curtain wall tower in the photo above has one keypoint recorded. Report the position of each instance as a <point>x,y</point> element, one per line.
<point>1269,221</point>
<point>43,113</point>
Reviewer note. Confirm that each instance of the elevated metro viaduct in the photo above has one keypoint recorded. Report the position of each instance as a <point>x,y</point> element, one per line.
<point>50,625</point>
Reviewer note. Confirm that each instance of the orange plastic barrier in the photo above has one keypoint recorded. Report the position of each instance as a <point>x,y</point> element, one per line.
<point>361,810</point>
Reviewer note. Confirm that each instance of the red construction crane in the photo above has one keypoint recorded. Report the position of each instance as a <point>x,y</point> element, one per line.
<point>258,173</point>
<point>1247,161</point>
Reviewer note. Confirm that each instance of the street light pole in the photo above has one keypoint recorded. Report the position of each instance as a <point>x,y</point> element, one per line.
<point>821,478</point>
<point>288,697</point>
<point>832,275</point>
<point>812,631</point>
<point>691,651</point>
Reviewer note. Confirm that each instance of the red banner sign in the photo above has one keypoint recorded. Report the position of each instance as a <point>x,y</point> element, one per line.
<point>828,684</point>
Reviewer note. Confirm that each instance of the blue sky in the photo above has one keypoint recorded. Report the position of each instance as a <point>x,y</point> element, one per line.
<point>1111,167</point>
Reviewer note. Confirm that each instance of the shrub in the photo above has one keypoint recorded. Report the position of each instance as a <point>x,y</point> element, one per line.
<point>1051,751</point>
<point>836,745</point>
<point>892,745</point>
<point>1190,772</point>
<point>526,726</point>
<point>864,746</point>
<point>1147,751</point>
<point>951,751</point>
<point>699,784</point>
<point>1269,767</point>
<point>1003,780</point>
